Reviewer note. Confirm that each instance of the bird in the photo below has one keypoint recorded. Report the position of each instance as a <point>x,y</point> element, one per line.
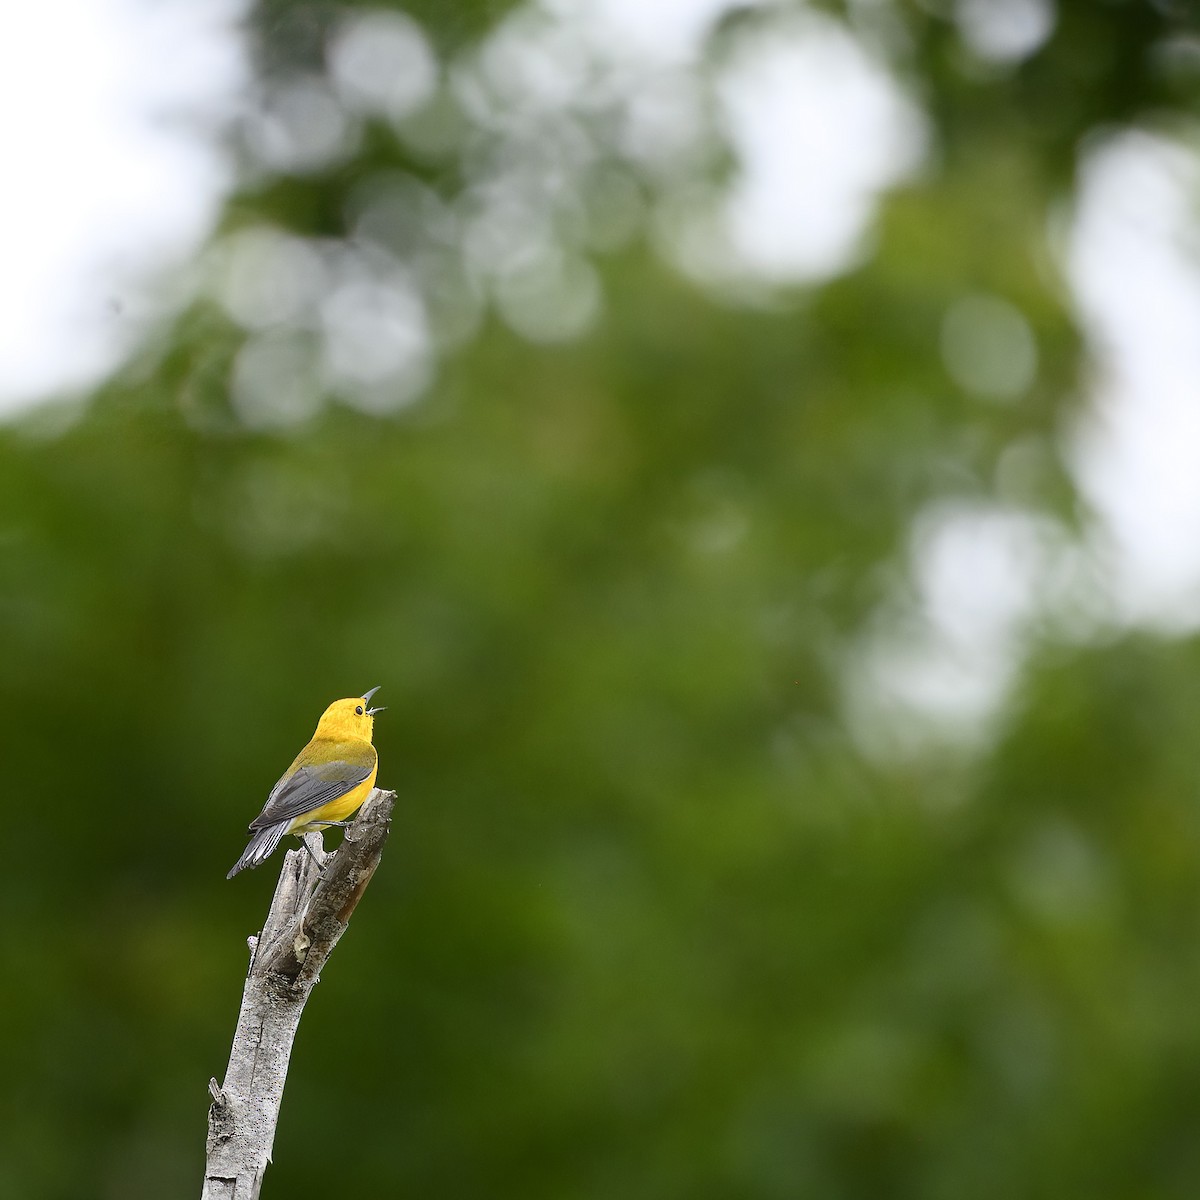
<point>325,784</point>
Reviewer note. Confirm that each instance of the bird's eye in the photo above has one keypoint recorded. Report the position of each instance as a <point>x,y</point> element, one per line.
<point>359,710</point>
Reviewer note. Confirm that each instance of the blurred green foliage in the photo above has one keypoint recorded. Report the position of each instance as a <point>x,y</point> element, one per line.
<point>651,924</point>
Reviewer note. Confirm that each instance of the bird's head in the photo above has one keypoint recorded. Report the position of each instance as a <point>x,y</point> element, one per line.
<point>349,719</point>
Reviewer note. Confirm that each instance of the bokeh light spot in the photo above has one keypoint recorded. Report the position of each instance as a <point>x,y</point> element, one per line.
<point>988,347</point>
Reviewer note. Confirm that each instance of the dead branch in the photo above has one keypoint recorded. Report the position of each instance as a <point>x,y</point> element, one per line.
<point>308,914</point>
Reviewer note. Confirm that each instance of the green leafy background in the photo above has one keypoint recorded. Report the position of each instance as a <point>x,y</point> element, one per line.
<point>652,922</point>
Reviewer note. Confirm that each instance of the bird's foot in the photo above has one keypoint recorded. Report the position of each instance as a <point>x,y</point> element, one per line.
<point>316,850</point>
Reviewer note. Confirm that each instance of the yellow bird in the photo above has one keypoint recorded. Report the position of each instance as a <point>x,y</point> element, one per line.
<point>325,784</point>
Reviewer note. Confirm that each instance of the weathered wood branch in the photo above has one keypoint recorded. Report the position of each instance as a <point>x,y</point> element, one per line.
<point>308,914</point>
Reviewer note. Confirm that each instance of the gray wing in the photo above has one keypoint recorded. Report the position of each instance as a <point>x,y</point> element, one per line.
<point>310,788</point>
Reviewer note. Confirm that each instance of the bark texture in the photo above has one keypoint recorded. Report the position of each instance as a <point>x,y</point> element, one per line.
<point>308,914</point>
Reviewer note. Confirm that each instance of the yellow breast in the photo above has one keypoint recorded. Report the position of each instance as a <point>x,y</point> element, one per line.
<point>335,810</point>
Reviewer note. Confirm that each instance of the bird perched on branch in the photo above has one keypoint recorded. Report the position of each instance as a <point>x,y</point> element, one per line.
<point>325,784</point>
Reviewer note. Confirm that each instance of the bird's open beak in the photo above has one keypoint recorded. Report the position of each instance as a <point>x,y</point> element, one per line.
<point>367,696</point>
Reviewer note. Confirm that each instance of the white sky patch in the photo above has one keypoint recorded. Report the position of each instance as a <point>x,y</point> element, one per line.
<point>940,666</point>
<point>109,111</point>
<point>266,277</point>
<point>1134,263</point>
<point>382,62</point>
<point>667,31</point>
<point>298,126</point>
<point>1005,31</point>
<point>118,122</point>
<point>820,128</point>
<point>112,111</point>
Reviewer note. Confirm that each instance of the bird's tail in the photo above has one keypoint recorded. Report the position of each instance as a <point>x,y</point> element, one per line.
<point>261,845</point>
